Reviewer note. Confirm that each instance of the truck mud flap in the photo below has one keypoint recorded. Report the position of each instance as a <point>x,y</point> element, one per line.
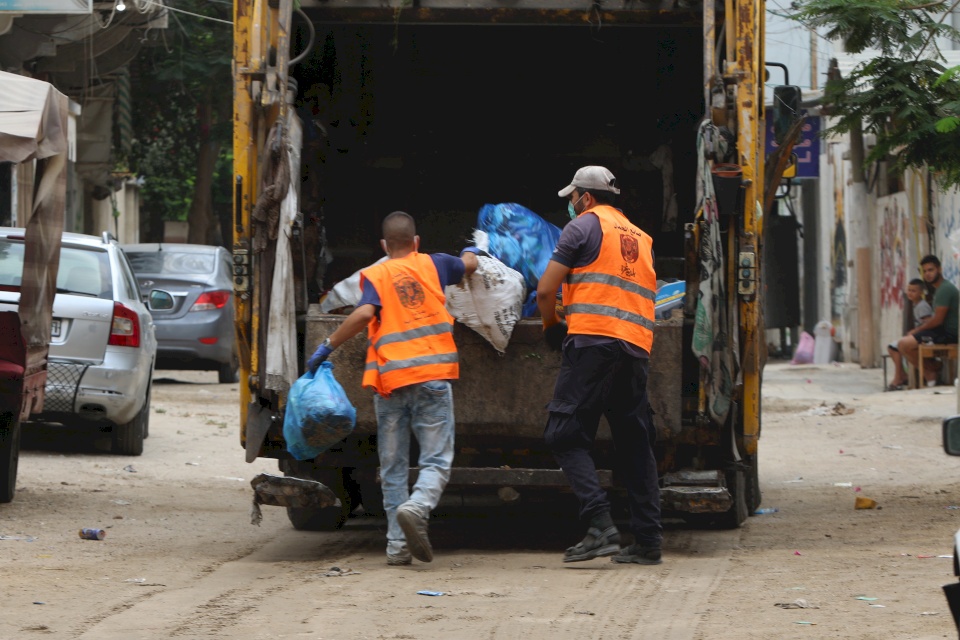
<point>279,491</point>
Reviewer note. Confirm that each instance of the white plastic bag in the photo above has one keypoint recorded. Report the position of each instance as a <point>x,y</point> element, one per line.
<point>489,301</point>
<point>345,293</point>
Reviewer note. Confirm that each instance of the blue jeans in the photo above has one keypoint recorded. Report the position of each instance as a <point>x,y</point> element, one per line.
<point>426,409</point>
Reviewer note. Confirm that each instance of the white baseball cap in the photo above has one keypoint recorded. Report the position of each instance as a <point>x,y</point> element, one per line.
<point>591,178</point>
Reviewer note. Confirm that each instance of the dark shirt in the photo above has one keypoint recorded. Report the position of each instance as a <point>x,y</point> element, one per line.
<point>449,268</point>
<point>578,246</point>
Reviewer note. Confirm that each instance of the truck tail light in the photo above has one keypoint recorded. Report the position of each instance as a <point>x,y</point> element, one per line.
<point>125,330</point>
<point>210,300</point>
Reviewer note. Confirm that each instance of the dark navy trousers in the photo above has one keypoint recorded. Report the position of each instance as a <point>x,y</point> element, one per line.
<point>605,380</point>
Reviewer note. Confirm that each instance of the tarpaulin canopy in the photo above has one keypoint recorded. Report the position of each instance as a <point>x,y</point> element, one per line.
<point>33,119</point>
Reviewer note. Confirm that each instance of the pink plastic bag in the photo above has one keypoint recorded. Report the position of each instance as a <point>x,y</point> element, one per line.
<point>804,352</point>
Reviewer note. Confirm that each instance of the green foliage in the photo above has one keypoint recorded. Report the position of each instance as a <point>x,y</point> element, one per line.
<point>186,68</point>
<point>904,95</point>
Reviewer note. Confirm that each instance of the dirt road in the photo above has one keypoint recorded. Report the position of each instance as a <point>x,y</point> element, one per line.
<point>181,559</point>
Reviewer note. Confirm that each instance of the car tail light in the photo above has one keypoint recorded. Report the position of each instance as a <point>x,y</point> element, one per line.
<point>125,331</point>
<point>210,300</point>
<point>211,340</point>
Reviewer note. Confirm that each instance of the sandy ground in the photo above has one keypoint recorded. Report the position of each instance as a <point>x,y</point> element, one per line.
<point>181,559</point>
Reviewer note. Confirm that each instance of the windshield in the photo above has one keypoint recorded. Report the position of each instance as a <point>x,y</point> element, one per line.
<point>171,262</point>
<point>82,270</point>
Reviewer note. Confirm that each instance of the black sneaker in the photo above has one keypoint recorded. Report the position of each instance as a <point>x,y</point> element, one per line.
<point>415,530</point>
<point>596,544</point>
<point>638,555</point>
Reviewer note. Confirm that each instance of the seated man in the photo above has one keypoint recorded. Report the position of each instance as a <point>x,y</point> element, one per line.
<point>941,327</point>
<point>921,311</point>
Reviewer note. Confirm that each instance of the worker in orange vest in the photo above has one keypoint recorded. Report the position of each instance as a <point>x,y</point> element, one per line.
<point>605,264</point>
<point>411,360</point>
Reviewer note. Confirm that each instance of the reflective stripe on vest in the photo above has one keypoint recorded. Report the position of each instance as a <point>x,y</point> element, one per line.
<point>412,339</point>
<point>614,295</point>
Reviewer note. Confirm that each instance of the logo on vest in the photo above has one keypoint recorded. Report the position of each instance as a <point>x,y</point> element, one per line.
<point>409,291</point>
<point>629,248</point>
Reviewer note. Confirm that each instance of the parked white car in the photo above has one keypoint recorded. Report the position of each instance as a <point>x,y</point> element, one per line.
<point>102,345</point>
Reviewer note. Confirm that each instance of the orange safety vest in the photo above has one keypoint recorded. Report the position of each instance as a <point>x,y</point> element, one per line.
<point>412,340</point>
<point>614,295</point>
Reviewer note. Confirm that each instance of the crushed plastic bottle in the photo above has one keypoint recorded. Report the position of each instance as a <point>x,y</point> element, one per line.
<point>766,510</point>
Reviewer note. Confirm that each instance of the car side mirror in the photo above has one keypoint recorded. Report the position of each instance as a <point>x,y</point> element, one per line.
<point>951,435</point>
<point>160,300</point>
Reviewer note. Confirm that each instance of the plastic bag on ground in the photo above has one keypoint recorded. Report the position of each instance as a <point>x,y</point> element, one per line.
<point>520,239</point>
<point>488,301</point>
<point>318,414</point>
<point>804,352</point>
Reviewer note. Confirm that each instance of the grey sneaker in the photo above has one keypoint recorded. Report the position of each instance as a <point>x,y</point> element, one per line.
<point>415,530</point>
<point>401,558</point>
<point>596,544</point>
<point>637,554</point>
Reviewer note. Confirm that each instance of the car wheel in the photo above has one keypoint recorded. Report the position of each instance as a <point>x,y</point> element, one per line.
<point>9,455</point>
<point>128,438</point>
<point>229,372</point>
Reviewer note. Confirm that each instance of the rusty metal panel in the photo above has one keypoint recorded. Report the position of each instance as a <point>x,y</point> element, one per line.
<point>696,499</point>
<point>506,395</point>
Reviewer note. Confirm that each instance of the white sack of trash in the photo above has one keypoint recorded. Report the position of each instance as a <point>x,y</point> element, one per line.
<point>489,301</point>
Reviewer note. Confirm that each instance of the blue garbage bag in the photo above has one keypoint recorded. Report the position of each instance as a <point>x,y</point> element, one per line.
<point>318,414</point>
<point>520,239</point>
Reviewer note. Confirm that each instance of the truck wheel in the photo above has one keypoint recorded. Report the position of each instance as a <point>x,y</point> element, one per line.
<point>128,437</point>
<point>328,518</point>
<point>731,518</point>
<point>9,455</point>
<point>229,372</point>
<point>738,512</point>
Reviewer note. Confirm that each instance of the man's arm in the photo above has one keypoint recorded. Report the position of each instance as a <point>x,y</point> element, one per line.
<point>354,324</point>
<point>470,262</point>
<point>932,322</point>
<point>550,281</point>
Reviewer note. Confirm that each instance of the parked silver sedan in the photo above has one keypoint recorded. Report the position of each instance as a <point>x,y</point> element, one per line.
<point>197,330</point>
<point>102,344</point>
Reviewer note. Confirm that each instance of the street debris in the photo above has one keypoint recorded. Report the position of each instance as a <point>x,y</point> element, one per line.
<point>799,603</point>
<point>865,598</point>
<point>585,613</point>
<point>766,510</point>
<point>22,538</point>
<point>431,593</point>
<point>843,484</point>
<point>129,469</point>
<point>863,502</point>
<point>337,572</point>
<point>839,409</point>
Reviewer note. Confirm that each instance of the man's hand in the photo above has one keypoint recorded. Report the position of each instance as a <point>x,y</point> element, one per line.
<point>555,334</point>
<point>319,356</point>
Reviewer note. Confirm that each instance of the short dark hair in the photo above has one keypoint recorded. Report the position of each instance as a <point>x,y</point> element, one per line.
<point>602,197</point>
<point>917,281</point>
<point>399,230</point>
<point>930,259</point>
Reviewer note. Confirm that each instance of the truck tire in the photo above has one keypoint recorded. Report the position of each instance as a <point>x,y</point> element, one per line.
<point>326,519</point>
<point>732,517</point>
<point>128,437</point>
<point>738,512</point>
<point>9,455</point>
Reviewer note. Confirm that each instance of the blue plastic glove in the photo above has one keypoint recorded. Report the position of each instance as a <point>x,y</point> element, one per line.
<point>319,357</point>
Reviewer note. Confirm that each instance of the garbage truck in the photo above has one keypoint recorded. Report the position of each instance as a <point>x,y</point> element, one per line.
<point>347,110</point>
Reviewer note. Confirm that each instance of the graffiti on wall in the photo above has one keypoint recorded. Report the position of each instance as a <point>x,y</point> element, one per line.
<point>838,257</point>
<point>948,227</point>
<point>893,254</point>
